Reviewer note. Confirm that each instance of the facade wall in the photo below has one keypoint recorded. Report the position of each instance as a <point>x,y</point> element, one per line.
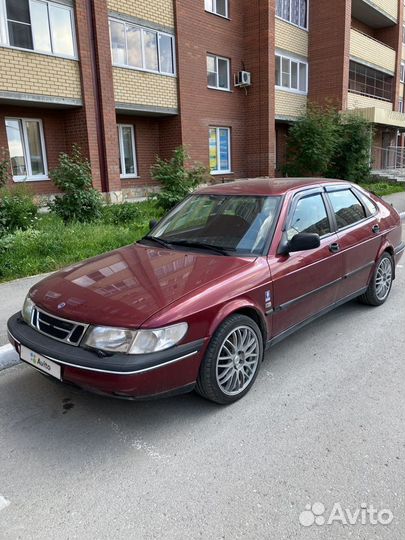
<point>291,38</point>
<point>289,105</point>
<point>157,11</point>
<point>40,74</point>
<point>142,88</point>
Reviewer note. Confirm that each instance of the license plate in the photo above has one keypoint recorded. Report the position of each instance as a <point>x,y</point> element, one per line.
<point>40,362</point>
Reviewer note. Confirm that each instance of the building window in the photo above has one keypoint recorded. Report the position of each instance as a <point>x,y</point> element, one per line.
<point>401,105</point>
<point>291,74</point>
<point>402,72</point>
<point>219,7</point>
<point>293,11</point>
<point>367,81</point>
<point>218,70</point>
<point>38,25</point>
<point>141,48</point>
<point>220,150</point>
<point>26,146</point>
<point>126,140</point>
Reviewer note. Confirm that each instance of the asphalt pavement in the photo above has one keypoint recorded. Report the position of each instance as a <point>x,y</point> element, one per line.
<point>322,426</point>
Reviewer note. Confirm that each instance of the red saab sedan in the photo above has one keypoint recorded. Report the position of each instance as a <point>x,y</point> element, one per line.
<point>230,271</point>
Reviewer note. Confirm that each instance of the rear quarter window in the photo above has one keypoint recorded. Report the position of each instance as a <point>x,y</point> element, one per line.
<point>347,207</point>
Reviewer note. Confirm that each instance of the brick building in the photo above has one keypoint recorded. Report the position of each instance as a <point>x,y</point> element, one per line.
<point>128,80</point>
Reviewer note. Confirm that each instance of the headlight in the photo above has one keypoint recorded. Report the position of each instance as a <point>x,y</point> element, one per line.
<point>27,310</point>
<point>135,341</point>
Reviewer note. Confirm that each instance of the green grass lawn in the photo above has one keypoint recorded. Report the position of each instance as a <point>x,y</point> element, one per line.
<point>52,244</point>
<point>383,188</point>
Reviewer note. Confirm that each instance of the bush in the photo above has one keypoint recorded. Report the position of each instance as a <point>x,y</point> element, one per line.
<point>117,214</point>
<point>351,160</point>
<point>312,142</point>
<point>17,209</point>
<point>80,202</point>
<point>5,175</point>
<point>177,178</point>
<point>326,143</point>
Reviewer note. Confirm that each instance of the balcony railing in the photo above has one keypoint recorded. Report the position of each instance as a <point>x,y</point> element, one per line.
<point>368,49</point>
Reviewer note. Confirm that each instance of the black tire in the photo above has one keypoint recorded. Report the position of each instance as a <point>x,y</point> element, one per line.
<point>373,296</point>
<point>241,364</point>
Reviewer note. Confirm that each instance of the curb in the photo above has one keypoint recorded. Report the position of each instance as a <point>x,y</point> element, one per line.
<point>8,357</point>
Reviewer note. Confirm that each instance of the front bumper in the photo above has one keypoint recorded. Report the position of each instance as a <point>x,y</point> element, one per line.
<point>122,375</point>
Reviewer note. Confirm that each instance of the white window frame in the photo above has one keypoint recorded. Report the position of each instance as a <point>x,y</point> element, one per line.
<point>228,63</point>
<point>401,105</point>
<point>298,61</point>
<point>121,149</point>
<point>293,23</point>
<point>29,176</point>
<point>144,29</point>
<point>5,38</point>
<point>214,9</point>
<point>222,171</point>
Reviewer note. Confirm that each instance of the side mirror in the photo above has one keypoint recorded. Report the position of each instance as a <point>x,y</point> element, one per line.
<point>152,224</point>
<point>304,242</point>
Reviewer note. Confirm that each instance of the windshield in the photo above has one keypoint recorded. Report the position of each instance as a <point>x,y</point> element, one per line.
<point>234,223</point>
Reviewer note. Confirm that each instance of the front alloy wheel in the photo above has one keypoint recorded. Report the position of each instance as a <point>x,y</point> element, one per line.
<point>232,360</point>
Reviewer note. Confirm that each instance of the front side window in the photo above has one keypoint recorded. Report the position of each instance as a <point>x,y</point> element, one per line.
<point>291,74</point>
<point>309,216</point>
<point>220,150</point>
<point>39,25</point>
<point>218,72</point>
<point>141,48</point>
<point>234,223</point>
<point>26,148</point>
<point>126,140</point>
<point>219,7</point>
<point>347,207</point>
<point>293,11</point>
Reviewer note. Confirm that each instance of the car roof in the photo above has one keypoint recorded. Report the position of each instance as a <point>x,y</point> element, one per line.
<point>266,186</point>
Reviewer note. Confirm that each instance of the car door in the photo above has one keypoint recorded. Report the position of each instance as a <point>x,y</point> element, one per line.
<point>305,283</point>
<point>359,238</point>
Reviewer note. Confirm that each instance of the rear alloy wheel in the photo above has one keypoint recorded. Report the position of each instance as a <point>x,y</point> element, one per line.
<point>232,360</point>
<point>381,282</point>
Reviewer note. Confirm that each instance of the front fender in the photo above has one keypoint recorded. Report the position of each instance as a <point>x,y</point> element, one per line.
<point>234,306</point>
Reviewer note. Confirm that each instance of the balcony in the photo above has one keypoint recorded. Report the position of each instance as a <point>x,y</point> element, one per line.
<point>376,13</point>
<point>374,53</point>
<point>27,77</point>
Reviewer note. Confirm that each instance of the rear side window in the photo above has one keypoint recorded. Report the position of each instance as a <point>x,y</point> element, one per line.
<point>309,217</point>
<point>368,203</point>
<point>347,208</point>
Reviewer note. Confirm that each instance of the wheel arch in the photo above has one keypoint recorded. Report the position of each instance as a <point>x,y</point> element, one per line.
<point>387,248</point>
<point>241,307</point>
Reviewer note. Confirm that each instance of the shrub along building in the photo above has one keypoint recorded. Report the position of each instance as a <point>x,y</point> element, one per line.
<point>131,79</point>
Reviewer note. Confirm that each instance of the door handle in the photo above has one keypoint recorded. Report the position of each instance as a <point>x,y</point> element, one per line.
<point>376,229</point>
<point>334,248</point>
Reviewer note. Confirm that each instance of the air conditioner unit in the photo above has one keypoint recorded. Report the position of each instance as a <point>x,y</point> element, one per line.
<point>243,79</point>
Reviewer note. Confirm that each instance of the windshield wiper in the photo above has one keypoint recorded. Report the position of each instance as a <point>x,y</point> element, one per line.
<point>157,240</point>
<point>202,245</point>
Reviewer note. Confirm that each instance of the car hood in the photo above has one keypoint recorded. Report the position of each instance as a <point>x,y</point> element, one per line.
<point>127,286</point>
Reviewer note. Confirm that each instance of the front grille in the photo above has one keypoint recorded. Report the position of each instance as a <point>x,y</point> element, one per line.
<point>57,328</point>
